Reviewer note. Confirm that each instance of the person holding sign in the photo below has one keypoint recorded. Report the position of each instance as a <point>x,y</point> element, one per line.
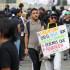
<point>54,62</point>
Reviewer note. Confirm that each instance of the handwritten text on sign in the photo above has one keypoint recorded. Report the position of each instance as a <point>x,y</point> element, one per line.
<point>53,40</point>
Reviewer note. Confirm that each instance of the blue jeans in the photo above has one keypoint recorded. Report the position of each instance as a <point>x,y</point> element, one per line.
<point>17,43</point>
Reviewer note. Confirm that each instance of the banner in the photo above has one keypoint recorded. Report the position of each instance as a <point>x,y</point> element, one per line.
<point>53,40</point>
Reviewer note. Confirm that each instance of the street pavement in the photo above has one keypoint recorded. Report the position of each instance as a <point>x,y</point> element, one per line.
<point>27,65</point>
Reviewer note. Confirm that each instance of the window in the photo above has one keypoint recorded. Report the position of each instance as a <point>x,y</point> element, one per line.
<point>10,1</point>
<point>2,1</point>
<point>62,2</point>
<point>7,1</point>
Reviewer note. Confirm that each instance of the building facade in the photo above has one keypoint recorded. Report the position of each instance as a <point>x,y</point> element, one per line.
<point>12,3</point>
<point>7,1</point>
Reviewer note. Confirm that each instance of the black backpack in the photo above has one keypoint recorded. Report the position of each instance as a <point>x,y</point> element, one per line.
<point>28,28</point>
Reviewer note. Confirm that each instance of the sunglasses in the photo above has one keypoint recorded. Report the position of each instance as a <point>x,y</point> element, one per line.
<point>53,17</point>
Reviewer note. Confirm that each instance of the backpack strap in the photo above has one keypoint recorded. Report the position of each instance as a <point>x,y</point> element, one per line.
<point>49,25</point>
<point>28,28</point>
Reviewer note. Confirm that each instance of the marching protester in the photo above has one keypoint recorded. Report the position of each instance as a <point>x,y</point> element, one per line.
<point>66,20</point>
<point>20,29</point>
<point>21,5</point>
<point>54,62</point>
<point>19,38</point>
<point>32,46</point>
<point>61,9</point>
<point>21,33</point>
<point>41,15</point>
<point>56,10</point>
<point>7,10</point>
<point>9,59</point>
<point>23,18</point>
<point>28,13</point>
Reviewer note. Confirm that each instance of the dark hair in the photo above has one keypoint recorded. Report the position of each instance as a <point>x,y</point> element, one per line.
<point>62,7</point>
<point>33,9</point>
<point>8,28</point>
<point>41,8</point>
<point>53,8</point>
<point>21,5</point>
<point>7,6</point>
<point>13,10</point>
<point>52,13</point>
<point>17,11</point>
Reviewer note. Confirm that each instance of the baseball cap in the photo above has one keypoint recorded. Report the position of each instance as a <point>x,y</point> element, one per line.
<point>52,13</point>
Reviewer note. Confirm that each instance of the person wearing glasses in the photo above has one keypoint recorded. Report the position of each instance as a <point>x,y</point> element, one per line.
<point>54,62</point>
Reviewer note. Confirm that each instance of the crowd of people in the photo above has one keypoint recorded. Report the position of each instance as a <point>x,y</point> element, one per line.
<point>18,36</point>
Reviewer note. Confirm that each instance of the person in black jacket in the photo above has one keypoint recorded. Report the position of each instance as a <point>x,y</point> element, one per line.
<point>7,10</point>
<point>9,59</point>
<point>20,28</point>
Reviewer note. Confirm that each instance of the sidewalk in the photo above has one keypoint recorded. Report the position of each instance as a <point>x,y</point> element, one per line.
<point>27,65</point>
